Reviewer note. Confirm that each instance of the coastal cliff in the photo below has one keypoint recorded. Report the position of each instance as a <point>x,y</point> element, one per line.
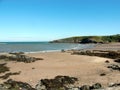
<point>89,39</point>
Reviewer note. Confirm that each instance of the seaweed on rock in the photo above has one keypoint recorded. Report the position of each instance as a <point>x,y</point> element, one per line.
<point>58,83</point>
<point>9,74</point>
<point>19,57</point>
<point>3,68</point>
<point>15,85</point>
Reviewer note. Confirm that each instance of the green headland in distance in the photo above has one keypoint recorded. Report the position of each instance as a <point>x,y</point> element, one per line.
<point>89,39</point>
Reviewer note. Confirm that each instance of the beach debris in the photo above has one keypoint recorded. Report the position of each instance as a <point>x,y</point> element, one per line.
<point>6,76</point>
<point>15,85</point>
<point>19,57</point>
<point>3,68</point>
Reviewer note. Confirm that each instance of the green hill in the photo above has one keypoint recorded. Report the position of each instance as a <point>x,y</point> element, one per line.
<point>89,39</point>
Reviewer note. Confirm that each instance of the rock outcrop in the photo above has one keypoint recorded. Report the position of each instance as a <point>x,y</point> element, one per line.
<point>117,60</point>
<point>100,53</point>
<point>19,57</point>
<point>15,85</point>
<point>3,68</point>
<point>114,67</point>
<point>58,83</point>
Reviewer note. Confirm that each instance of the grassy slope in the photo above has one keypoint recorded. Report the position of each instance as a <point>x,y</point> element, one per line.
<point>103,39</point>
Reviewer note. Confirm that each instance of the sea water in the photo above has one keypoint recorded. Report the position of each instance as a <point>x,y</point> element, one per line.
<point>40,46</point>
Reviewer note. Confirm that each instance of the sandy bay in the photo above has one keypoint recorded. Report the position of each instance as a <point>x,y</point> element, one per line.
<point>86,68</point>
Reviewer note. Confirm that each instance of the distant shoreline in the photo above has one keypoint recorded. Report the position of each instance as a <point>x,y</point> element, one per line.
<point>89,39</point>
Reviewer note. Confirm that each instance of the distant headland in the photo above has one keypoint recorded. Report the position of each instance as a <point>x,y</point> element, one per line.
<point>89,39</point>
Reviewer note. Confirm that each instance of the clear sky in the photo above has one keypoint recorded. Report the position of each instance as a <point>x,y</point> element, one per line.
<point>44,20</point>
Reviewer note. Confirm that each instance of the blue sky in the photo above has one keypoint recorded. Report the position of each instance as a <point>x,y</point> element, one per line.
<point>44,20</point>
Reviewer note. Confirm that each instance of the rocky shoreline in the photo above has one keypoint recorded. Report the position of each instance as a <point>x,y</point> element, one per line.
<point>58,83</point>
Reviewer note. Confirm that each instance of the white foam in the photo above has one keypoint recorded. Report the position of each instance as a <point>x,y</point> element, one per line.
<point>43,51</point>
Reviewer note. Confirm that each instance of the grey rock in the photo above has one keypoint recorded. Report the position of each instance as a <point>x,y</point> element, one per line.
<point>85,87</point>
<point>40,86</point>
<point>114,85</point>
<point>96,86</point>
<point>114,67</point>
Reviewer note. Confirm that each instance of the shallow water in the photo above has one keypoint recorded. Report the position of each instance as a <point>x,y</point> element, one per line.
<point>40,46</point>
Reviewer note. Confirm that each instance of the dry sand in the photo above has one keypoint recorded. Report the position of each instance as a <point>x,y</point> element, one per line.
<point>86,68</point>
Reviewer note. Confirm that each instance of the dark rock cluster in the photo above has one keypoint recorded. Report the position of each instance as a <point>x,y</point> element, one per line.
<point>3,68</point>
<point>117,60</point>
<point>64,83</point>
<point>106,54</point>
<point>71,87</point>
<point>114,85</point>
<point>94,86</point>
<point>114,67</point>
<point>6,76</point>
<point>58,83</point>
<point>19,57</point>
<point>15,85</point>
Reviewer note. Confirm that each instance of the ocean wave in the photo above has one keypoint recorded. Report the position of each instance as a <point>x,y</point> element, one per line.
<point>43,51</point>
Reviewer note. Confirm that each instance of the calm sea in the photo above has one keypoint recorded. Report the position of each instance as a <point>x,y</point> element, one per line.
<point>39,46</point>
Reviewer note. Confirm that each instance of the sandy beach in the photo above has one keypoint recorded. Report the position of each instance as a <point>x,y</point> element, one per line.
<point>86,68</point>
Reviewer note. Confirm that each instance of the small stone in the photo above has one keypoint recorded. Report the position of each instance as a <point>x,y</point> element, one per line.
<point>102,74</point>
<point>107,61</point>
<point>33,68</point>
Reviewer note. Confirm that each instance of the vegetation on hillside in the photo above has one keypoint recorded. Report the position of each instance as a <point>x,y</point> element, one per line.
<point>90,39</point>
